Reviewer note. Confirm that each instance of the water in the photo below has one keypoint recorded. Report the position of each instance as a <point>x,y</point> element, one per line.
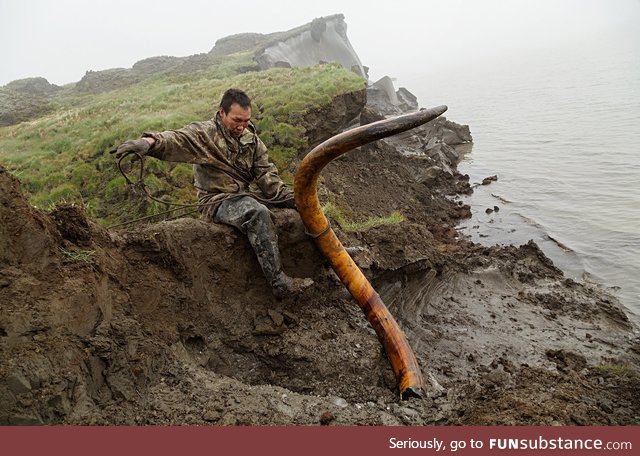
<point>561,129</point>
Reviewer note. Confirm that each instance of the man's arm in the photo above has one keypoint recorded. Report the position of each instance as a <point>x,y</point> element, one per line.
<point>186,145</point>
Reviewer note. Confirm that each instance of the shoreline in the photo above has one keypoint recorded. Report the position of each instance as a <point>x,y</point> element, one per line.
<point>508,226</point>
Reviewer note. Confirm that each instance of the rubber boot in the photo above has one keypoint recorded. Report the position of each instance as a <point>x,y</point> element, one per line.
<point>262,237</point>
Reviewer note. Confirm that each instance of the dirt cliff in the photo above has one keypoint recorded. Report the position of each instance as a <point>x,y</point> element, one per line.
<point>173,323</point>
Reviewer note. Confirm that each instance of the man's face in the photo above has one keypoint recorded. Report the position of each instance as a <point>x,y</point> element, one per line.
<point>237,119</point>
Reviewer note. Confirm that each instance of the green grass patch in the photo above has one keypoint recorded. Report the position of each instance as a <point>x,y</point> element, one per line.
<point>350,223</point>
<point>64,155</point>
<point>617,369</point>
<point>80,256</point>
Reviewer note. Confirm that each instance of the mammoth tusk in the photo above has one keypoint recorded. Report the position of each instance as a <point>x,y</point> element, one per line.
<point>393,339</point>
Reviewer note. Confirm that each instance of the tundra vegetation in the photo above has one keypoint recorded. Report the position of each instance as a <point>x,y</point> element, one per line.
<point>63,155</point>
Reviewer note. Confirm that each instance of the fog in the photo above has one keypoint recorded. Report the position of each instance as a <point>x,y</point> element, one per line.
<point>403,39</point>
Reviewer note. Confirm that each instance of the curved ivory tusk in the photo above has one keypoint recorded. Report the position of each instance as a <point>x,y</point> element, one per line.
<point>403,361</point>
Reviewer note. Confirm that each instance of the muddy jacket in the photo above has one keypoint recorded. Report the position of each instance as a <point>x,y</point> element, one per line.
<point>223,165</point>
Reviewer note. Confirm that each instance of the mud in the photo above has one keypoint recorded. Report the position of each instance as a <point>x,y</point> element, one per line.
<point>173,323</point>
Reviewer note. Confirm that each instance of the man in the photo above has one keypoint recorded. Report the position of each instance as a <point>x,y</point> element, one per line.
<point>227,156</point>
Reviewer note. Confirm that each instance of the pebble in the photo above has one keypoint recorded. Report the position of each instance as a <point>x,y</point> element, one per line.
<point>339,402</point>
<point>488,180</point>
<point>606,406</point>
<point>580,421</point>
<point>211,415</point>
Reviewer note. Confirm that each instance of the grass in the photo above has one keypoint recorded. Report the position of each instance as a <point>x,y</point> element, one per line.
<point>64,154</point>
<point>80,256</point>
<point>350,223</point>
<point>617,369</point>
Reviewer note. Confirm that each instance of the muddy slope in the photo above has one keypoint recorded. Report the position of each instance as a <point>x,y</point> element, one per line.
<point>173,323</point>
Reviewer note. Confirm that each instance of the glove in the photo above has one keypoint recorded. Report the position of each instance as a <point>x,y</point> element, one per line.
<point>139,146</point>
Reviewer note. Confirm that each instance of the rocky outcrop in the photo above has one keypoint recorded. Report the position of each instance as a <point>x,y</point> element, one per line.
<point>238,43</point>
<point>330,119</point>
<point>323,40</point>
<point>33,86</point>
<point>16,107</point>
<point>381,95</point>
<point>25,99</point>
<point>154,65</point>
<point>386,100</point>
<point>106,80</point>
<point>448,132</point>
<point>116,78</point>
<point>406,100</point>
<point>436,140</point>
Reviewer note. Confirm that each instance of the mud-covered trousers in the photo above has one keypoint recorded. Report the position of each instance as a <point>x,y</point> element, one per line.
<point>254,220</point>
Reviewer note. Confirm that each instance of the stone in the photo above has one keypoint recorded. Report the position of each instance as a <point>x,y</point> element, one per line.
<point>339,402</point>
<point>435,388</point>
<point>211,415</point>
<point>18,383</point>
<point>488,180</point>
<point>290,318</point>
<point>406,100</point>
<point>606,406</point>
<point>276,317</point>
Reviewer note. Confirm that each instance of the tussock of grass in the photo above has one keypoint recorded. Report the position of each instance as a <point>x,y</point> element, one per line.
<point>338,215</point>
<point>64,154</point>
<point>81,256</point>
<point>617,369</point>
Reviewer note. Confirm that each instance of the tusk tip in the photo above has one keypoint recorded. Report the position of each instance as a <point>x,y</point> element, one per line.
<point>441,109</point>
<point>411,392</point>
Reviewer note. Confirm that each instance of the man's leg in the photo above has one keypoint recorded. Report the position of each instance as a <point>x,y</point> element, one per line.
<point>254,219</point>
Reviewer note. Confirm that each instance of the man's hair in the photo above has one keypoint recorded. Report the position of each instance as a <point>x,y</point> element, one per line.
<point>234,96</point>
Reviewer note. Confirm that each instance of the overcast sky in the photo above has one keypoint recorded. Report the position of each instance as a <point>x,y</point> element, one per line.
<point>61,39</point>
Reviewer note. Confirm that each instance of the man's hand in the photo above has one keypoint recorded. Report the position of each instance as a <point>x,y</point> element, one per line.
<point>139,146</point>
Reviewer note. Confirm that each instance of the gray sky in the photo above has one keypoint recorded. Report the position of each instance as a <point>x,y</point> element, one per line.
<point>61,39</point>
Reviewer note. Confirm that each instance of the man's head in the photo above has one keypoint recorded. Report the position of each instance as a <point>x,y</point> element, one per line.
<point>235,111</point>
